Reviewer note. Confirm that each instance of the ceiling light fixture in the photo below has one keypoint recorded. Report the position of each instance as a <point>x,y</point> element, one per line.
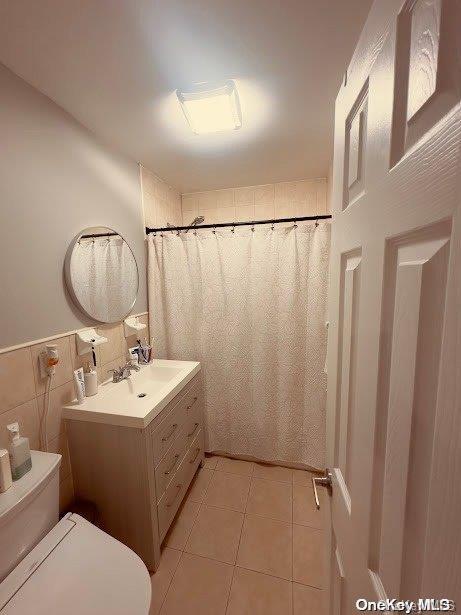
<point>210,107</point>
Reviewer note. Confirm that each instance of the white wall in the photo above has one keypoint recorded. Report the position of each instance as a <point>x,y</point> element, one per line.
<point>56,178</point>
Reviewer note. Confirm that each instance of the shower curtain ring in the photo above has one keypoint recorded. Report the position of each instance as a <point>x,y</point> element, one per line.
<point>233,228</point>
<point>272,226</point>
<point>295,224</point>
<point>316,222</point>
<point>253,228</point>
<point>214,230</point>
<point>178,233</point>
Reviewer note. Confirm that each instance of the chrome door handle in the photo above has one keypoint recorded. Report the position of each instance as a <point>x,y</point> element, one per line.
<point>323,481</point>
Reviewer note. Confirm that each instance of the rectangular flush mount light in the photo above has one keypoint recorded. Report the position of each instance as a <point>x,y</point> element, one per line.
<point>211,108</point>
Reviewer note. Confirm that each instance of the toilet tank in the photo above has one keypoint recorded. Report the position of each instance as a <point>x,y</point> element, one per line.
<point>28,510</point>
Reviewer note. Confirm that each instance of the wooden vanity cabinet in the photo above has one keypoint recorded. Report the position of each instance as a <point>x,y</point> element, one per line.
<point>137,478</point>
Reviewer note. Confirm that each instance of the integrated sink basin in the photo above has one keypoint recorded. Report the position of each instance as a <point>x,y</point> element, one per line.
<point>137,400</point>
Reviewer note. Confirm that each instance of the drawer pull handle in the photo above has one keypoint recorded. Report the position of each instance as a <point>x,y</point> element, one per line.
<point>176,457</point>
<point>178,489</point>
<point>197,451</point>
<point>193,402</point>
<point>173,427</point>
<point>193,431</point>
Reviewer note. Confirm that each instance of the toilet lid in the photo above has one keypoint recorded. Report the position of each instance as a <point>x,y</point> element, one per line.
<point>77,569</point>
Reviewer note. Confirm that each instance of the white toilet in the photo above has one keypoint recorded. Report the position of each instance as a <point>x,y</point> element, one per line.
<point>50,567</point>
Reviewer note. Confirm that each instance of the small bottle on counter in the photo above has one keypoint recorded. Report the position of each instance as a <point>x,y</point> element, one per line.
<point>20,459</point>
<point>6,479</point>
<point>90,378</point>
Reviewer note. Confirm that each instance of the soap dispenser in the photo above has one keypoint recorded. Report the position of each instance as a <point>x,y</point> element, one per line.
<point>20,459</point>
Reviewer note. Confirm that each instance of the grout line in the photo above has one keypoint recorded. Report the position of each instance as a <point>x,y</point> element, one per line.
<point>271,576</point>
<point>210,559</point>
<point>272,480</point>
<point>171,580</point>
<point>233,473</point>
<point>257,516</point>
<point>235,563</point>
<point>200,506</point>
<point>320,589</point>
<point>274,576</point>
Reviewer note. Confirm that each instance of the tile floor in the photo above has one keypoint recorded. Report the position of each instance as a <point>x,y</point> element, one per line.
<point>248,540</point>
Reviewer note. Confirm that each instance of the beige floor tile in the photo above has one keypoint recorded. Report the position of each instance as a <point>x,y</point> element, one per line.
<point>182,525</point>
<point>278,473</point>
<point>199,485</point>
<point>210,462</point>
<point>308,556</point>
<point>270,499</point>
<point>301,477</point>
<point>161,580</point>
<point>228,491</point>
<point>216,534</point>
<point>308,600</point>
<point>305,511</point>
<point>265,546</point>
<point>200,586</point>
<point>254,593</point>
<point>235,466</point>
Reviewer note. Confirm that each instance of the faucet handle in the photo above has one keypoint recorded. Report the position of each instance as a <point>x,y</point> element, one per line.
<point>116,374</point>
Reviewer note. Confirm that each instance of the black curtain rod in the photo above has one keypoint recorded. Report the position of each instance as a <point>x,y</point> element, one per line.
<point>98,235</point>
<point>232,224</point>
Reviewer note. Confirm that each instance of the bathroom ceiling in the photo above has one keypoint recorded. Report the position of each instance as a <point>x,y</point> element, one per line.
<point>115,64</point>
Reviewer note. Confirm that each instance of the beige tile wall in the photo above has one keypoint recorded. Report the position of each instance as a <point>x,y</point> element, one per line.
<point>161,202</point>
<point>281,200</point>
<point>23,391</point>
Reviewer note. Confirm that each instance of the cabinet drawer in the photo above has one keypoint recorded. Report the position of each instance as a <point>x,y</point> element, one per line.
<point>168,430</point>
<point>176,490</point>
<point>193,423</point>
<point>192,399</point>
<point>195,455</point>
<point>183,415</point>
<point>172,498</point>
<point>165,470</point>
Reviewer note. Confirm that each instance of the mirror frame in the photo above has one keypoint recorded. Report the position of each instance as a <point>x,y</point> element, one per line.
<point>68,277</point>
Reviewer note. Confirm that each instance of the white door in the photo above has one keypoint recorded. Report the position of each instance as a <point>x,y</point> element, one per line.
<point>394,359</point>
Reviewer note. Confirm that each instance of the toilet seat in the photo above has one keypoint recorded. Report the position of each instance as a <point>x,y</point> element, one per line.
<point>77,569</point>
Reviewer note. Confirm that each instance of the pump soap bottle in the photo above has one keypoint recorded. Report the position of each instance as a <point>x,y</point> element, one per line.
<point>20,459</point>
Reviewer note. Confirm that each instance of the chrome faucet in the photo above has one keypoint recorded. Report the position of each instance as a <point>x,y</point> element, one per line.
<point>122,373</point>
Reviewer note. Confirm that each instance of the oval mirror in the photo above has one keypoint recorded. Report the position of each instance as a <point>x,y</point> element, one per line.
<point>102,274</point>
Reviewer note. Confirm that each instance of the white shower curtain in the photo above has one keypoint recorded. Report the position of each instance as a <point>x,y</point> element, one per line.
<point>250,306</point>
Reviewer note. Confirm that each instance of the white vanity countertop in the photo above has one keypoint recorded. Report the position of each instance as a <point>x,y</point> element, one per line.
<point>119,403</point>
